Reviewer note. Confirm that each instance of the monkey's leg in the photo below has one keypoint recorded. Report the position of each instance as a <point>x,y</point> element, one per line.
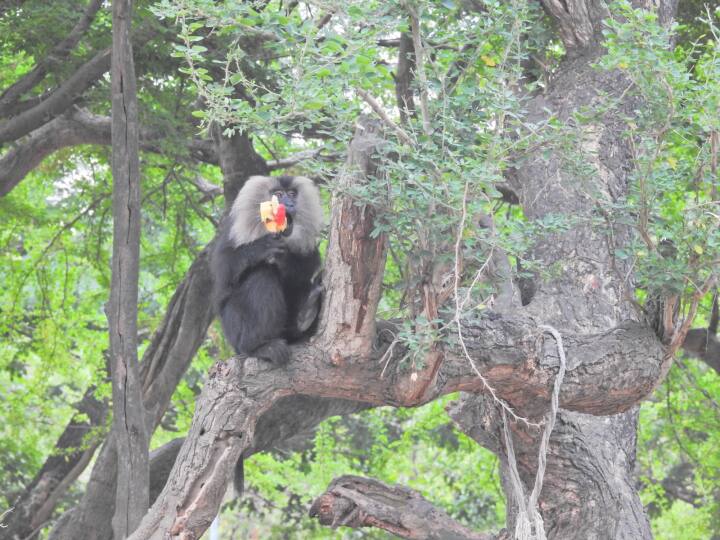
<point>254,316</point>
<point>309,310</point>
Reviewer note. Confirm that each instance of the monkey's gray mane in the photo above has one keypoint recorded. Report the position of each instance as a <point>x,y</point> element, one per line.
<point>246,225</point>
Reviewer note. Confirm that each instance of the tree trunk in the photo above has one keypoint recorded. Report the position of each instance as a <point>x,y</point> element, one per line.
<point>588,490</point>
<point>614,359</point>
<point>340,362</point>
<point>130,423</point>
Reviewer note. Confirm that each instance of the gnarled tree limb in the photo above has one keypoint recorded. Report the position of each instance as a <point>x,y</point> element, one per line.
<point>353,501</point>
<point>341,362</point>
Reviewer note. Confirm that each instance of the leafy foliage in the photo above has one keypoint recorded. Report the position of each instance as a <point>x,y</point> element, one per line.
<point>674,190</point>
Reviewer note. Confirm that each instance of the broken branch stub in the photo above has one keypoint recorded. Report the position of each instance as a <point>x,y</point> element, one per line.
<point>355,257</point>
<point>354,501</point>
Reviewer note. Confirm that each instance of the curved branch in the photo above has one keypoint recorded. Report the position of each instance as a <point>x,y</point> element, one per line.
<point>12,95</point>
<point>63,131</point>
<point>75,128</point>
<point>343,362</point>
<point>509,351</point>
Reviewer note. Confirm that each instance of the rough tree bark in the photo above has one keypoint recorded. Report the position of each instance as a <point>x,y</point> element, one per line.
<point>589,489</point>
<point>130,427</point>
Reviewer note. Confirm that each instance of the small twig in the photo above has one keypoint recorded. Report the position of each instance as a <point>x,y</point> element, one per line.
<point>375,106</point>
<point>420,66</point>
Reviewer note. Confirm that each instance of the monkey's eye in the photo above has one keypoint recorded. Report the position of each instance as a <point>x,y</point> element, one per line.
<point>292,193</point>
<point>278,193</point>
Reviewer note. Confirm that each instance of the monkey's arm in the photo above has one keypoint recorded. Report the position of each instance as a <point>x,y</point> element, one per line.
<point>229,264</point>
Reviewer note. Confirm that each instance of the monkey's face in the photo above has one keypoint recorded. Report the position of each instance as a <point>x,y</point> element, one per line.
<point>288,198</point>
<point>300,199</point>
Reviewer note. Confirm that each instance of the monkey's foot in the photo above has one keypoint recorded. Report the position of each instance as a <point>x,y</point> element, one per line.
<point>275,351</point>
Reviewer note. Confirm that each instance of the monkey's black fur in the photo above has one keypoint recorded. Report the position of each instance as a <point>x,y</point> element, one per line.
<point>267,290</point>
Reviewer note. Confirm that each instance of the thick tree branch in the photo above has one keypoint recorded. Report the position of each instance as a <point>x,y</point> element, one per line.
<point>342,363</point>
<point>353,501</point>
<point>516,363</point>
<point>79,128</point>
<point>84,77</point>
<point>72,129</point>
<point>57,55</point>
<point>355,261</point>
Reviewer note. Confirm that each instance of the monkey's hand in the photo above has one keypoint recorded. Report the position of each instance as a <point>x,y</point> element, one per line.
<point>267,249</point>
<point>277,250</point>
